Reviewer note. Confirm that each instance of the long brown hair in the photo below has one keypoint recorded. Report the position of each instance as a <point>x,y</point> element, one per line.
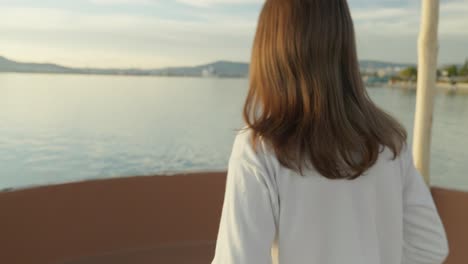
<point>307,99</point>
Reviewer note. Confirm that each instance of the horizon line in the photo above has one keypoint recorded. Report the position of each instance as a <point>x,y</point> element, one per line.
<point>184,66</point>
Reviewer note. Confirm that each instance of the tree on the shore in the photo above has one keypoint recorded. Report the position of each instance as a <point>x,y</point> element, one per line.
<point>464,69</point>
<point>451,71</point>
<point>409,73</point>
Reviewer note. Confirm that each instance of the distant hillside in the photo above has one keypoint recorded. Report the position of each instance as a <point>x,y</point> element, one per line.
<point>7,65</point>
<point>219,69</point>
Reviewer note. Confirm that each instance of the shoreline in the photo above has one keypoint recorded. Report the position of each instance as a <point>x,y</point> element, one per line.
<point>459,88</point>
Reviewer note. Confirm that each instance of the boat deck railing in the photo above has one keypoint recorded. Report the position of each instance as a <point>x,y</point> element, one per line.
<point>143,220</point>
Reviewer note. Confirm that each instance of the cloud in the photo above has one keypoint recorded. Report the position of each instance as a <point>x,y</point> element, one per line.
<point>158,33</point>
<point>119,2</point>
<point>404,21</point>
<point>380,14</point>
<point>220,2</point>
<point>110,40</point>
<point>391,33</point>
<point>124,2</point>
<point>198,3</point>
<point>53,20</point>
<point>453,18</point>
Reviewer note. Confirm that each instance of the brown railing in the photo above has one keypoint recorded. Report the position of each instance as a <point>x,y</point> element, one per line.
<point>144,220</point>
<point>193,252</point>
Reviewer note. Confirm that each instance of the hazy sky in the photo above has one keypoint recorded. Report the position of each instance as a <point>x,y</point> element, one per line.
<point>158,33</point>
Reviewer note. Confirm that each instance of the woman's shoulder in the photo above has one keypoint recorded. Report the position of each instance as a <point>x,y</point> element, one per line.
<point>254,156</point>
<point>407,160</point>
<point>246,146</point>
<point>400,162</point>
<point>254,152</point>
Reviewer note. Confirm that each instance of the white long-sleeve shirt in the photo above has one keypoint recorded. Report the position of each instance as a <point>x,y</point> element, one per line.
<point>386,216</point>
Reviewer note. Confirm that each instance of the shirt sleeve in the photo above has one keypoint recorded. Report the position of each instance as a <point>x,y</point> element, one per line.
<point>247,227</point>
<point>424,236</point>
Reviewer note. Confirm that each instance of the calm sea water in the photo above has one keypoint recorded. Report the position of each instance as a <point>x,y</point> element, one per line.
<point>62,128</point>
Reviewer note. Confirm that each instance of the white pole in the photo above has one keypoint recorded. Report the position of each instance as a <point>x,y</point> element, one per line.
<point>428,49</point>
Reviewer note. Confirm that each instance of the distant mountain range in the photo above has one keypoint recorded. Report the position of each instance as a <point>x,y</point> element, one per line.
<point>218,69</point>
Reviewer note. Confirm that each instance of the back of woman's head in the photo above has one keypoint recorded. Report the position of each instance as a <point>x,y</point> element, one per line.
<point>307,99</point>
